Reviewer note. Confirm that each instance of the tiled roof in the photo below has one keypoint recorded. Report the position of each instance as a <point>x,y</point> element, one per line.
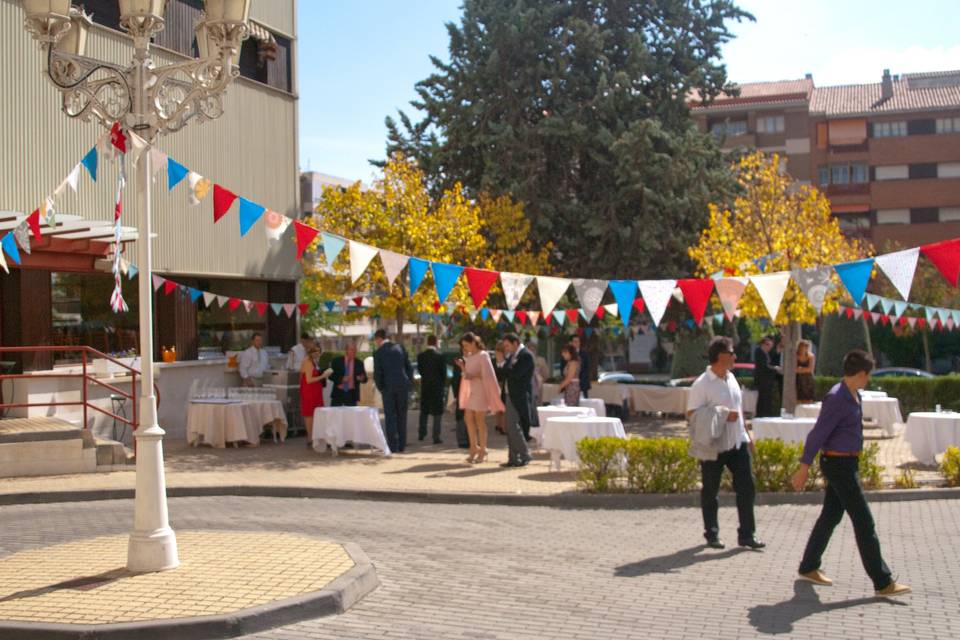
<point>762,92</point>
<point>911,92</point>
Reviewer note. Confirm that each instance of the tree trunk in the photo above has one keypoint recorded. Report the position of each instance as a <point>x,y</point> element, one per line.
<point>788,362</point>
<point>926,350</point>
<point>399,324</point>
<point>822,323</point>
<point>866,335</point>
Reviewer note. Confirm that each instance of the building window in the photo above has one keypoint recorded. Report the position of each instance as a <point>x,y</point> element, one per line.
<point>948,125</point>
<point>823,175</point>
<point>893,216</point>
<point>729,128</point>
<point>924,215</point>
<point>770,124</point>
<point>889,129</point>
<point>923,170</point>
<point>859,173</point>
<point>839,174</point>
<point>854,222</point>
<point>950,214</point>
<point>81,314</point>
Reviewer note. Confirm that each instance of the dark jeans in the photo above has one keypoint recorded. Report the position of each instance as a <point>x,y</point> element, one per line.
<point>517,450</point>
<point>739,462</point>
<point>843,493</point>
<point>437,418</point>
<point>395,413</point>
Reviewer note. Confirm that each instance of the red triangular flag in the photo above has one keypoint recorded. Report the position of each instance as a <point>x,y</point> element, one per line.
<point>639,305</point>
<point>573,315</point>
<point>169,287</point>
<point>554,330</point>
<point>305,235</point>
<point>849,313</point>
<point>233,303</point>
<point>358,301</point>
<point>304,308</point>
<point>117,138</point>
<point>600,312</point>
<point>261,308</point>
<point>946,256</point>
<point>548,318</point>
<point>903,321</point>
<point>436,306</point>
<point>222,200</point>
<point>34,221</point>
<point>522,316</point>
<point>696,293</point>
<point>921,323</point>
<point>884,319</point>
<point>479,281</point>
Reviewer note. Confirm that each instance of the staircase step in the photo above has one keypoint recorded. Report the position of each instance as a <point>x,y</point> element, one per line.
<point>111,452</point>
<point>39,429</point>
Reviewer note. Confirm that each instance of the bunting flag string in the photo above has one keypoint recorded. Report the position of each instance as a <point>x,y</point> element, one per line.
<point>117,303</point>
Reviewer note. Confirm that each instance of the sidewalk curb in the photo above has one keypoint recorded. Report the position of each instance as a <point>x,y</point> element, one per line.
<point>337,597</point>
<point>560,501</point>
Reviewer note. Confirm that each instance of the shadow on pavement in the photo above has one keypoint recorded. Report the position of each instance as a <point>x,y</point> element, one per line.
<point>550,476</point>
<point>673,562</point>
<point>429,468</point>
<point>84,583</point>
<point>467,473</point>
<point>780,617</point>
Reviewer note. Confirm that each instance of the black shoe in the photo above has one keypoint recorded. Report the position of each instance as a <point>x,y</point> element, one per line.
<point>510,464</point>
<point>528,439</point>
<point>422,437</point>
<point>523,463</point>
<point>716,543</point>
<point>438,441</point>
<point>753,543</point>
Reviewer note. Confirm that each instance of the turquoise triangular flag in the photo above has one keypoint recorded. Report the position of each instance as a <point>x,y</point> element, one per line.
<point>418,269</point>
<point>872,301</point>
<point>624,292</point>
<point>589,331</point>
<point>10,246</point>
<point>886,304</point>
<point>90,162</point>
<point>855,276</point>
<point>132,271</point>
<point>276,307</point>
<point>250,212</point>
<point>509,314</point>
<point>175,173</point>
<point>195,294</point>
<point>899,307</point>
<point>445,276</point>
<point>485,313</point>
<point>928,311</point>
<point>332,246</point>
<point>560,315</point>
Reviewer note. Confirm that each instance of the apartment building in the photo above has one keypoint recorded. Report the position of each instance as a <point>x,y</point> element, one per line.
<point>887,154</point>
<point>60,293</point>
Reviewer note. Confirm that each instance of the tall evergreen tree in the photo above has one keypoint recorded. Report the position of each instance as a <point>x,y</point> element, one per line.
<point>579,109</point>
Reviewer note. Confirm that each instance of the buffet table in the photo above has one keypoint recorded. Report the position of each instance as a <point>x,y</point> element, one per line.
<point>336,426</point>
<point>219,421</point>
<point>929,434</point>
<point>786,429</point>
<point>561,434</point>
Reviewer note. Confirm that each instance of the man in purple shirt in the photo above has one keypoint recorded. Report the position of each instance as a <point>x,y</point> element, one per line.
<point>838,434</point>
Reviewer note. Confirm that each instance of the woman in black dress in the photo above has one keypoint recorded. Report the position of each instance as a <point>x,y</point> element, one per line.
<point>806,362</point>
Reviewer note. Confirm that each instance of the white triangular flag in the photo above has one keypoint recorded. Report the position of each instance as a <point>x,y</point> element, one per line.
<point>495,314</point>
<point>899,267</point>
<point>533,317</point>
<point>814,283</point>
<point>158,160</point>
<point>289,309</point>
<point>138,144</point>
<point>72,179</point>
<point>656,295</point>
<point>611,308</point>
<point>393,264</point>
<point>360,257</point>
<point>275,224</point>
<point>590,295</point>
<point>208,298</point>
<point>473,314</point>
<point>223,300</point>
<point>199,187</point>
<point>248,305</point>
<point>551,290</point>
<point>730,290</point>
<point>771,287</point>
<point>3,262</point>
<point>514,285</point>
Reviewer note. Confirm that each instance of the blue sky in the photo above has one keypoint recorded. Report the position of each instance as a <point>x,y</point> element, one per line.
<point>359,59</point>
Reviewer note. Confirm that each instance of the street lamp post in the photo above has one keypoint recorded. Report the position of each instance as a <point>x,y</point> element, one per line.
<point>147,100</point>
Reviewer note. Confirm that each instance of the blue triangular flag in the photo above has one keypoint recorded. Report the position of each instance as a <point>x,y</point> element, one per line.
<point>690,323</point>
<point>509,314</point>
<point>132,271</point>
<point>589,331</point>
<point>250,212</point>
<point>418,269</point>
<point>855,276</point>
<point>485,313</point>
<point>332,246</point>
<point>330,304</point>
<point>175,173</point>
<point>90,162</point>
<point>195,294</point>
<point>276,307</point>
<point>10,246</point>
<point>445,276</point>
<point>624,292</point>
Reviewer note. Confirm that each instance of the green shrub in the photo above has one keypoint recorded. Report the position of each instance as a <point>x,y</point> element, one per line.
<point>690,354</point>
<point>839,335</point>
<point>950,466</point>
<point>871,471</point>
<point>660,465</point>
<point>600,463</point>
<point>775,462</point>
<point>905,480</point>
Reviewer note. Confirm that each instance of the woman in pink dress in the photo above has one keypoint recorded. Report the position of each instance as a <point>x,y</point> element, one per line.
<point>479,394</point>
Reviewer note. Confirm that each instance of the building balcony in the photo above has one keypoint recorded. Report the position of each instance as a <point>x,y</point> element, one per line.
<point>860,188</point>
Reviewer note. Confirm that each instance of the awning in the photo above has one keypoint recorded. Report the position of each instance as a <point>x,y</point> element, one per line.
<point>259,32</point>
<point>70,227</point>
<point>850,208</point>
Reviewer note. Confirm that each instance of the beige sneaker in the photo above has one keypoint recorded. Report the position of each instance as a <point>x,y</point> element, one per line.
<point>816,577</point>
<point>894,589</point>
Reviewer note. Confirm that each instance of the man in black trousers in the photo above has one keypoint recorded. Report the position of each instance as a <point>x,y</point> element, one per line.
<point>393,373</point>
<point>764,377</point>
<point>519,378</point>
<point>433,384</point>
<point>348,374</point>
<point>584,370</point>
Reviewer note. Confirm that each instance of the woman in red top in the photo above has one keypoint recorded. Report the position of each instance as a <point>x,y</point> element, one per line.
<point>312,383</point>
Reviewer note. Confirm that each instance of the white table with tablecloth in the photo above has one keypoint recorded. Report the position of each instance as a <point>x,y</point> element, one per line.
<point>561,434</point>
<point>613,394</point>
<point>546,412</point>
<point>883,410</point>
<point>336,426</point>
<point>929,434</point>
<point>786,429</point>
<point>217,422</point>
<point>649,398</point>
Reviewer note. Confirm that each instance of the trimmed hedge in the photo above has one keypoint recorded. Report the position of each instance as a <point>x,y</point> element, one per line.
<point>950,466</point>
<point>664,465</point>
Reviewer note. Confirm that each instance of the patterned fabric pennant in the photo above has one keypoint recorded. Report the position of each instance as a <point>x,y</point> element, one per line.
<point>275,224</point>
<point>814,284</point>
<point>514,285</point>
<point>289,309</point>
<point>199,188</point>
<point>657,294</point>
<point>21,234</point>
<point>590,295</point>
<point>393,264</point>
<point>157,282</point>
<point>223,301</point>
<point>208,298</point>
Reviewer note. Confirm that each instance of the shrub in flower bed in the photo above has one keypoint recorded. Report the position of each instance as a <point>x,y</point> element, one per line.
<point>950,466</point>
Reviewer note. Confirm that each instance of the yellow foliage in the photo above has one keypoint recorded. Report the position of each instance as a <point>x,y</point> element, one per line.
<point>790,224</point>
<point>398,214</point>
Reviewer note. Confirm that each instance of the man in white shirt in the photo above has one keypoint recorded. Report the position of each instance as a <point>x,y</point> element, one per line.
<point>717,387</point>
<point>299,352</point>
<point>252,363</point>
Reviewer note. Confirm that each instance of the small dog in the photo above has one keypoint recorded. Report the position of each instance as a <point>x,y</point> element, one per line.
<point>279,430</point>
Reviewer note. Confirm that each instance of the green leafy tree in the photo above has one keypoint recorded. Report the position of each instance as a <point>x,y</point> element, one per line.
<point>579,110</point>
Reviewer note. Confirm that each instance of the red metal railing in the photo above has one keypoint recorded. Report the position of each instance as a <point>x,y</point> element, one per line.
<point>84,376</point>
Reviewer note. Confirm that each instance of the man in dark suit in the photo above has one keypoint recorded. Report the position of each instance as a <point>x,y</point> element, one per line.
<point>393,373</point>
<point>584,370</point>
<point>519,378</point>
<point>764,377</point>
<point>463,439</point>
<point>433,384</point>
<point>348,374</point>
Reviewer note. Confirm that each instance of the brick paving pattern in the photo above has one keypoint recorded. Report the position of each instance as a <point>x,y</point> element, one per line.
<point>497,572</point>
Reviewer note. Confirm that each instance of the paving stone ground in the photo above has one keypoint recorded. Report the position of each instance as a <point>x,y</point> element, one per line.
<point>498,572</point>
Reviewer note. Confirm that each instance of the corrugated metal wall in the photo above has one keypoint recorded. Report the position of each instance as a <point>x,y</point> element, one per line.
<point>279,15</point>
<point>251,150</point>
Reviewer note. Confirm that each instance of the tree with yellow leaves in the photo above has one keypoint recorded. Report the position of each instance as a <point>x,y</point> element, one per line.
<point>788,225</point>
<point>398,214</point>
